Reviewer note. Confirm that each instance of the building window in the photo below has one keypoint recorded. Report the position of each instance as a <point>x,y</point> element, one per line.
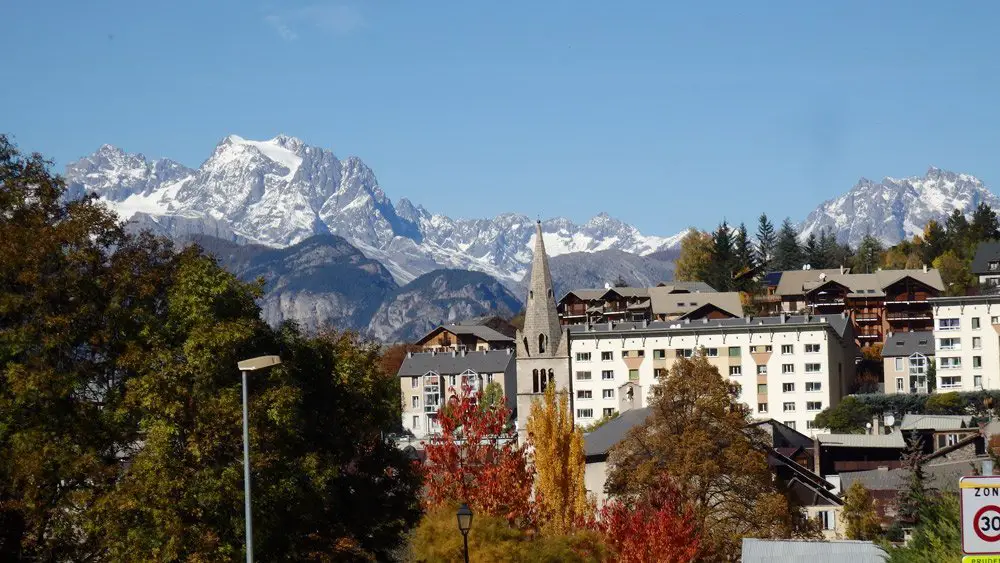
<point>735,370</point>
<point>787,368</point>
<point>977,381</point>
<point>584,394</point>
<point>608,412</point>
<point>762,388</point>
<point>583,376</point>
<point>608,394</point>
<point>787,349</point>
<point>684,352</point>
<point>541,343</point>
<point>762,370</point>
<point>734,351</point>
<point>583,356</point>
<point>452,380</point>
<point>949,344</point>
<point>812,368</point>
<point>659,372</point>
<point>948,324</point>
<point>633,375</point>
<point>585,413</point>
<point>814,405</point>
<point>607,375</point>
<point>977,362</point>
<point>787,387</point>
<point>659,354</point>
<point>899,364</point>
<point>899,384</point>
<point>757,349</point>
<point>950,363</point>
<point>415,401</point>
<point>711,352</point>
<point>977,343</point>
<point>826,518</point>
<point>812,348</point>
<point>994,320</point>
<point>414,382</point>
<point>761,407</point>
<point>607,356</point>
<point>994,265</point>
<point>790,424</point>
<point>810,424</point>
<point>788,407</point>
<point>416,422</point>
<point>951,381</point>
<point>975,323</point>
<point>813,386</point>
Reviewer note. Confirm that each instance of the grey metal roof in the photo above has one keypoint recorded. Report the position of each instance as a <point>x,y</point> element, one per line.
<point>799,282</point>
<point>796,551</point>
<point>838,323</point>
<point>610,433</point>
<point>453,363</point>
<point>935,422</point>
<point>479,331</point>
<point>666,303</point>
<point>585,294</point>
<point>690,286</point>
<point>905,344</point>
<point>986,252</point>
<point>942,476</point>
<point>894,440</point>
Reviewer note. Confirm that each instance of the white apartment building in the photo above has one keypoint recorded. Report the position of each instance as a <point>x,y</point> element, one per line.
<point>966,344</point>
<point>789,367</point>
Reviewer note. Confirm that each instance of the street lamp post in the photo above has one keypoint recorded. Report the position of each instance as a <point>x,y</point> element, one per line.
<point>245,366</point>
<point>464,524</point>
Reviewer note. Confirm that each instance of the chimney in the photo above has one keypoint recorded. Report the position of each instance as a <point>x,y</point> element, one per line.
<point>925,268</point>
<point>687,321</point>
<point>987,467</point>
<point>784,317</point>
<point>645,323</point>
<point>805,317</point>
<point>409,354</point>
<point>454,353</point>
<point>841,269</point>
<point>463,353</point>
<point>843,314</point>
<point>508,351</point>
<point>704,320</point>
<point>749,319</point>
<point>890,334</point>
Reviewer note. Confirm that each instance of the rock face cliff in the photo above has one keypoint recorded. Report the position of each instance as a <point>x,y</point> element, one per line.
<point>438,297</point>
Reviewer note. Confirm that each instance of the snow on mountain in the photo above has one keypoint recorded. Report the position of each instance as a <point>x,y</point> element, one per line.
<point>281,191</point>
<point>894,209</point>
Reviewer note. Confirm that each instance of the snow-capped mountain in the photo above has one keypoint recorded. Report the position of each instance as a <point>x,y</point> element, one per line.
<point>282,191</point>
<point>894,209</point>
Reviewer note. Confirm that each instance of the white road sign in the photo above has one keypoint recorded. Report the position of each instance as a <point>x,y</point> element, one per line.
<point>980,514</point>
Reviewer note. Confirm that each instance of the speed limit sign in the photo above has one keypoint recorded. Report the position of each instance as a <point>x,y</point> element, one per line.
<point>980,514</point>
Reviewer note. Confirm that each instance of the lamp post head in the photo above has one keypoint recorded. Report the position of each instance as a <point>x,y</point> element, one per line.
<point>259,362</point>
<point>464,518</point>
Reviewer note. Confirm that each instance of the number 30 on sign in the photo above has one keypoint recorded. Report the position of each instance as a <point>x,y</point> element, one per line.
<point>980,515</point>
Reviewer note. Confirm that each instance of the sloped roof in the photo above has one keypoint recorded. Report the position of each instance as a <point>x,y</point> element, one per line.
<point>628,291</point>
<point>893,440</point>
<point>448,363</point>
<point>937,422</point>
<point>791,281</point>
<point>585,294</point>
<point>610,433</point>
<point>479,331</point>
<point>666,303</point>
<point>943,476</point>
<point>838,323</point>
<point>796,551</point>
<point>688,286</point>
<point>905,344</point>
<point>931,277</point>
<point>986,252</point>
<point>799,282</point>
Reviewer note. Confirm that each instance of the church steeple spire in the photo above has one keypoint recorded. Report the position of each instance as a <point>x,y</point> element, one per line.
<point>542,332</point>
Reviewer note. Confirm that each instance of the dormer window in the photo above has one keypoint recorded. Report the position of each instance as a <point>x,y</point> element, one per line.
<point>994,265</point>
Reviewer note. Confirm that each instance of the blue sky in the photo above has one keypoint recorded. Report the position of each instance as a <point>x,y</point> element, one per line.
<point>661,114</point>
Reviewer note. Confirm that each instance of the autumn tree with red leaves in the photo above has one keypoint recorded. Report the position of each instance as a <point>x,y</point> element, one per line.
<point>657,527</point>
<point>476,459</point>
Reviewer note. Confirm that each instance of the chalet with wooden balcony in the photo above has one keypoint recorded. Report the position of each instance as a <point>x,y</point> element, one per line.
<point>460,337</point>
<point>880,302</point>
<point>635,304</point>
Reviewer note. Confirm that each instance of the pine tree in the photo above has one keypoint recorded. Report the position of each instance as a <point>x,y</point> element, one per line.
<point>745,258</point>
<point>766,241</point>
<point>720,269</point>
<point>935,241</point>
<point>869,256</point>
<point>957,228</point>
<point>984,224</point>
<point>915,492</point>
<point>559,462</point>
<point>829,249</point>
<point>814,252</point>
<point>788,254</point>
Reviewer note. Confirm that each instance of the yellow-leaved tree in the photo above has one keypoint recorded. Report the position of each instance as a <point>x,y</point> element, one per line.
<point>559,462</point>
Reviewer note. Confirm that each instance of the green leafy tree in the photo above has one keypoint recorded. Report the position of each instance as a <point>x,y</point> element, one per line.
<point>849,416</point>
<point>945,403</point>
<point>788,254</point>
<point>767,239</point>
<point>955,273</point>
<point>695,256</point>
<point>492,396</point>
<point>859,514</point>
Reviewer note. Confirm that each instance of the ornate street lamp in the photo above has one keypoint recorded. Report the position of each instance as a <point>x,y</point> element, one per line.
<point>464,525</point>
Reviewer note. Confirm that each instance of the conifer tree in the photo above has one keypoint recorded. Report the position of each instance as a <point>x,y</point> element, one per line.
<point>935,241</point>
<point>720,270</point>
<point>814,252</point>
<point>915,491</point>
<point>788,253</point>
<point>745,254</point>
<point>869,256</point>
<point>984,225</point>
<point>766,241</point>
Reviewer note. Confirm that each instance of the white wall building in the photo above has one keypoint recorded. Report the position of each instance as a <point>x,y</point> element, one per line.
<point>789,367</point>
<point>966,344</point>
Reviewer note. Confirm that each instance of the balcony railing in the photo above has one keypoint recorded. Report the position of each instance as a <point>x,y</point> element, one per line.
<point>951,386</point>
<point>910,316</point>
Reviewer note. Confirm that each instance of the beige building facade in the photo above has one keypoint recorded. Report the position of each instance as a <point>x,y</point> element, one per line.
<point>967,346</point>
